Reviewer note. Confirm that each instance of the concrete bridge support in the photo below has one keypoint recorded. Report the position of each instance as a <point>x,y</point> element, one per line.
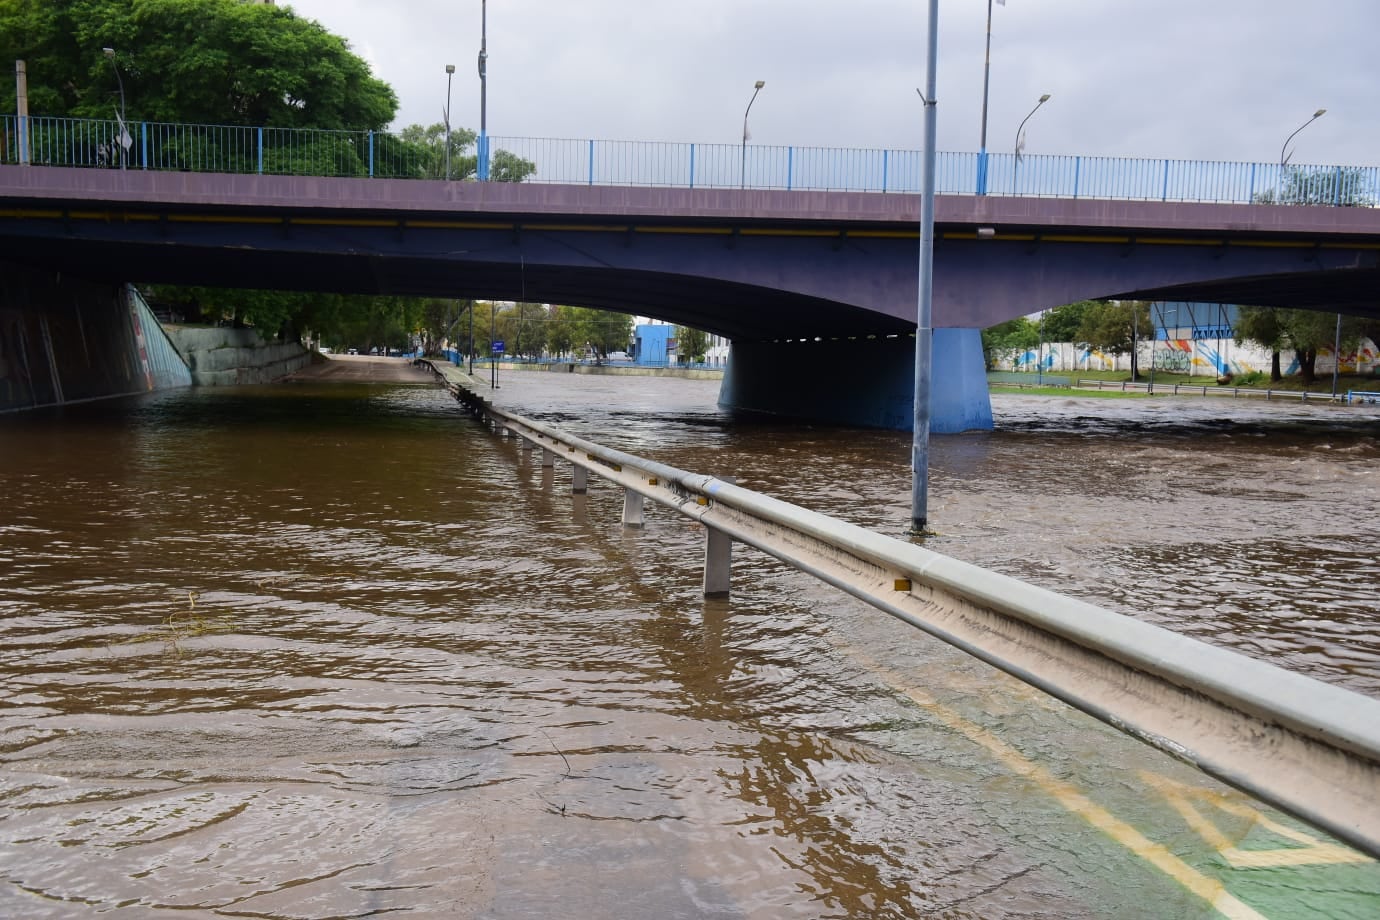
<point>867,382</point>
<point>67,340</point>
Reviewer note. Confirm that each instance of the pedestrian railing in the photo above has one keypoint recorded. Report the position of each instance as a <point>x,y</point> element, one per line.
<point>48,141</point>
<point>1307,747</point>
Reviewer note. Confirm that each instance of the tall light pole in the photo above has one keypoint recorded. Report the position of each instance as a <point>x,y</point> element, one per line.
<point>450,72</point>
<point>124,135</point>
<point>924,310</point>
<point>483,150</point>
<point>1283,157</point>
<point>986,79</point>
<point>742,174</point>
<point>1020,141</point>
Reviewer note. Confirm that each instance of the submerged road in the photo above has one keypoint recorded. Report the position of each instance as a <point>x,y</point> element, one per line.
<point>315,650</point>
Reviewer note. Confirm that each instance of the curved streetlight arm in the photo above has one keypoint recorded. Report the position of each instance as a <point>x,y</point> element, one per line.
<point>1043,99</point>
<point>757,88</point>
<point>1283,159</point>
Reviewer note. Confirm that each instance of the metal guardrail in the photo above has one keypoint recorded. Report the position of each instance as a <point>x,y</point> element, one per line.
<point>1309,748</point>
<point>1362,396</point>
<point>42,140</point>
<point>1210,389</point>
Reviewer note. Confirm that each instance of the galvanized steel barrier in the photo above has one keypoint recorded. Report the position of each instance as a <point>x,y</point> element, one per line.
<point>1309,748</point>
<point>41,140</point>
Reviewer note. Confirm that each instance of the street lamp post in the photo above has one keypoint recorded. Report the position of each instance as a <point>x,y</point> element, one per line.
<point>924,308</point>
<point>986,79</point>
<point>482,169</point>
<point>1283,157</point>
<point>1020,141</point>
<point>450,71</point>
<point>124,135</point>
<point>742,175</point>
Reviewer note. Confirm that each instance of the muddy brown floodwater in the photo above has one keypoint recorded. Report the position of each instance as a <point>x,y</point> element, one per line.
<point>332,650</point>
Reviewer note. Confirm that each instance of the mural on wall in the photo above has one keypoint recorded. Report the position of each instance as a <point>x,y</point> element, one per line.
<point>1205,357</point>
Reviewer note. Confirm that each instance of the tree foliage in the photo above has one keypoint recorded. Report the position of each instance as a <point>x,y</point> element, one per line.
<point>1010,338</point>
<point>692,343</point>
<point>1304,332</point>
<point>1063,322</point>
<point>429,142</point>
<point>1345,186</point>
<point>190,61</point>
<point>600,331</point>
<point>1116,327</point>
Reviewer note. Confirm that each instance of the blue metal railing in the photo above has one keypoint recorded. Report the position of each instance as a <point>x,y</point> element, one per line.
<point>295,151</point>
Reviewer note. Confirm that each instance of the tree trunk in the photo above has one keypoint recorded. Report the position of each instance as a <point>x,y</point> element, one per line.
<point>1275,375</point>
<point>1307,360</point>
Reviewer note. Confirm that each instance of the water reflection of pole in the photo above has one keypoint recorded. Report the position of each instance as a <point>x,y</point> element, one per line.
<point>493,355</point>
<point>471,338</point>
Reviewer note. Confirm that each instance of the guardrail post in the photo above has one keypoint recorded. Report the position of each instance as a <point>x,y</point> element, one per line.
<point>371,154</point>
<point>718,562</point>
<point>718,557</point>
<point>527,445</point>
<point>260,133</point>
<point>579,479</point>
<point>548,459</point>
<point>591,161</point>
<point>1077,172</point>
<point>884,166</point>
<point>143,145</point>
<point>1250,198</point>
<point>692,165</point>
<point>632,508</point>
<point>1164,195</point>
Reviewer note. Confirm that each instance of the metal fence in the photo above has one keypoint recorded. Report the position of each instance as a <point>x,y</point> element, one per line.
<point>296,151</point>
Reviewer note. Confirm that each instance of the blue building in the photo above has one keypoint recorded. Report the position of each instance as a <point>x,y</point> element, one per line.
<point>652,344</point>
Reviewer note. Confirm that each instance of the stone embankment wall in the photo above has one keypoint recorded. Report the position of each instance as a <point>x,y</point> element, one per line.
<point>220,356</point>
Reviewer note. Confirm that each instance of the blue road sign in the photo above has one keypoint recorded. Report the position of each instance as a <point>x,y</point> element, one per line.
<point>498,348</point>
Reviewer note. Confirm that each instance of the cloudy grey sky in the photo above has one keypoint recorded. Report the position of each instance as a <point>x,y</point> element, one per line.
<point>1190,79</point>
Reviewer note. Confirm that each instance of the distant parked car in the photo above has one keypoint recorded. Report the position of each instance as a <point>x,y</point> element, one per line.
<point>353,351</point>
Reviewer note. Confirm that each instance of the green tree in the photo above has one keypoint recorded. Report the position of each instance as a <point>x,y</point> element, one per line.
<point>691,343</point>
<point>1264,327</point>
<point>443,320</point>
<point>1062,323</point>
<point>1116,327</point>
<point>560,330</point>
<point>1009,338</point>
<point>1304,332</point>
<point>429,142</point>
<point>523,327</point>
<point>1347,186</point>
<point>599,331</point>
<point>192,61</point>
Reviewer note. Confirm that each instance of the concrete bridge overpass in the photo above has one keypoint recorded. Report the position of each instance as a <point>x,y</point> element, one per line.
<point>792,277</point>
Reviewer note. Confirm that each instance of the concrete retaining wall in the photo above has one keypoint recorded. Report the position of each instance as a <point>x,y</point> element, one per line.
<point>221,356</point>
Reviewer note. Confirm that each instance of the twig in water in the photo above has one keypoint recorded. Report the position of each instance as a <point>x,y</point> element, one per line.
<point>557,750</point>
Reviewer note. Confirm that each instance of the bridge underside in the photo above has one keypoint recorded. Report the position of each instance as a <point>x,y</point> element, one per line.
<point>761,268</point>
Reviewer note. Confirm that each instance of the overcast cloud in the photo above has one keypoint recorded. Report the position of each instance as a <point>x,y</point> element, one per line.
<point>1184,79</point>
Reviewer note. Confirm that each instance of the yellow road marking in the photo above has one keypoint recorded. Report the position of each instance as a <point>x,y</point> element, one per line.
<point>1066,794</point>
<point>1310,852</point>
